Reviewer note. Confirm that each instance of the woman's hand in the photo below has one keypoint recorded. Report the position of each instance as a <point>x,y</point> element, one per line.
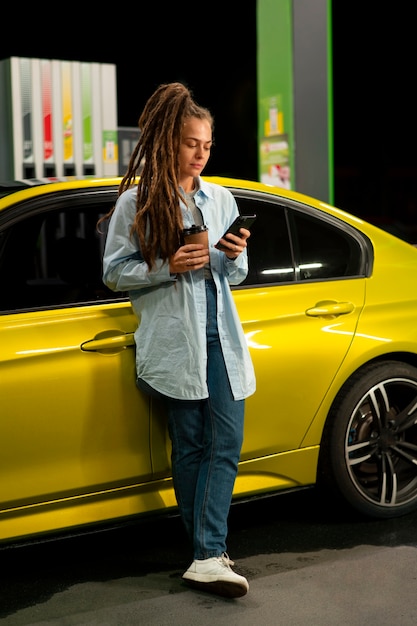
<point>235,245</point>
<point>192,256</point>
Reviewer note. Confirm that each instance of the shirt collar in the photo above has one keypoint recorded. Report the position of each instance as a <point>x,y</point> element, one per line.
<point>205,188</point>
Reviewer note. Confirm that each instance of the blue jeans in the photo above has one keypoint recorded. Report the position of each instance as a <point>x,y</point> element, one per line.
<point>206,438</point>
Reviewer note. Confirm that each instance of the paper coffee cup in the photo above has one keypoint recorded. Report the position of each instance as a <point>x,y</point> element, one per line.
<point>196,234</point>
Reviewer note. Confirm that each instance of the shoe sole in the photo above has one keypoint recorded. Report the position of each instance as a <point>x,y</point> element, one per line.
<point>219,587</point>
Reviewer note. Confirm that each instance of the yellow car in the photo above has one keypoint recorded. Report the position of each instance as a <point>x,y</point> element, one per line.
<point>329,310</point>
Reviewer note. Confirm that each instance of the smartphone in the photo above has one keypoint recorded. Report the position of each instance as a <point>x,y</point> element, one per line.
<point>242,221</point>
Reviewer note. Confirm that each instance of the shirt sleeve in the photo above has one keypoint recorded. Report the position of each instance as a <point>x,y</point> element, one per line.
<point>123,266</point>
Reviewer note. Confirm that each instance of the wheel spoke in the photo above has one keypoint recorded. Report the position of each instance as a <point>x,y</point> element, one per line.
<point>399,449</point>
<point>368,451</point>
<point>389,481</point>
<point>407,417</point>
<point>377,397</point>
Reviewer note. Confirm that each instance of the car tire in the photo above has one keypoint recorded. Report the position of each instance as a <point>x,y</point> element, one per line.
<point>368,453</point>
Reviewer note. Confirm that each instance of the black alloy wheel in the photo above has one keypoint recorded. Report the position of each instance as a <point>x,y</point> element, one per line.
<point>369,448</point>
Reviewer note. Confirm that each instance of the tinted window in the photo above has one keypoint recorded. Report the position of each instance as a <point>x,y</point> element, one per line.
<point>322,249</point>
<point>269,247</point>
<point>288,245</point>
<point>53,259</point>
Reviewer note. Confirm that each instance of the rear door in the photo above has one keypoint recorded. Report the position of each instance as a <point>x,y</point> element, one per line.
<point>299,307</point>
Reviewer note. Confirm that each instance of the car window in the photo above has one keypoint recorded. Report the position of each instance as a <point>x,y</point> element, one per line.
<point>53,258</point>
<point>323,250</point>
<point>290,245</point>
<point>270,255</point>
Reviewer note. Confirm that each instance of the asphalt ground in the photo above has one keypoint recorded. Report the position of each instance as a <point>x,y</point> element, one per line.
<point>305,566</point>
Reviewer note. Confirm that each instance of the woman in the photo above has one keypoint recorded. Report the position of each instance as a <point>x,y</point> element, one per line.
<point>191,349</point>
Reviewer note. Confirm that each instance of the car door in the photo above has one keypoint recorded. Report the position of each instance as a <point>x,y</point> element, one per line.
<point>299,307</point>
<point>73,427</point>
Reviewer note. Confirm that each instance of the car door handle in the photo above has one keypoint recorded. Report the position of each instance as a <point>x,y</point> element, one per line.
<point>330,307</point>
<point>109,342</point>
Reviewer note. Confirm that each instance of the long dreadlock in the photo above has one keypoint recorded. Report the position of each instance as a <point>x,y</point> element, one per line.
<point>158,222</point>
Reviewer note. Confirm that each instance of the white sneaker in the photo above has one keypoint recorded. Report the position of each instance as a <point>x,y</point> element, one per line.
<point>216,576</point>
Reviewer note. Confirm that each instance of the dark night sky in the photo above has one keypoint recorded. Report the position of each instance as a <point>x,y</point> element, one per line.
<point>215,55</point>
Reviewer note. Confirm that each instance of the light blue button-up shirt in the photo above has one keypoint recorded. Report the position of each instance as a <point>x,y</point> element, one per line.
<point>171,353</point>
